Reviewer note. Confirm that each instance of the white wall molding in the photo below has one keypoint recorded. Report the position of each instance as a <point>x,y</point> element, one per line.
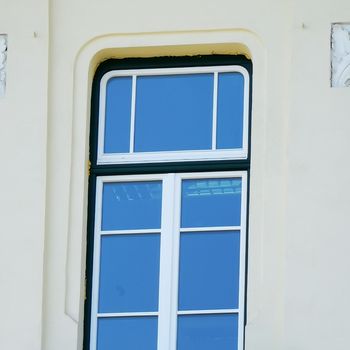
<point>340,50</point>
<point>3,56</point>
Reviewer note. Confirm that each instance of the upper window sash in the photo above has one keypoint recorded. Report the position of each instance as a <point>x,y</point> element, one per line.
<point>139,82</point>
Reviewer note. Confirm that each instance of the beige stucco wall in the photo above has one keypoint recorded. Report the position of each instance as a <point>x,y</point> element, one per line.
<point>298,261</point>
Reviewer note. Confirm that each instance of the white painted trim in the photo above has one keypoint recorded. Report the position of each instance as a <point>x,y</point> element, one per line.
<point>209,229</point>
<point>210,154</point>
<point>129,232</point>
<point>175,262</point>
<point>208,312</point>
<point>133,110</point>
<point>161,157</point>
<point>215,111</point>
<point>127,314</point>
<point>165,287</point>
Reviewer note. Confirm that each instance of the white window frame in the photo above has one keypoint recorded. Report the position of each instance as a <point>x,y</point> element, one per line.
<point>168,156</point>
<point>169,253</point>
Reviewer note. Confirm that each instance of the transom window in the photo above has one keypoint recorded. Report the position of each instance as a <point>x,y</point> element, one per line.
<point>167,212</point>
<point>191,113</point>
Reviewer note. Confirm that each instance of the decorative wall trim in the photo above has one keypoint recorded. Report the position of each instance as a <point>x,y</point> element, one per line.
<point>340,55</point>
<point>3,56</point>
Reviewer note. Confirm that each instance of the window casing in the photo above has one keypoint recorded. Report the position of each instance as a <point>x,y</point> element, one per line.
<point>179,295</point>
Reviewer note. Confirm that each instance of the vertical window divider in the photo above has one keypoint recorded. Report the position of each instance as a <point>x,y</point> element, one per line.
<point>175,262</point>
<point>166,257</point>
<point>215,104</point>
<point>133,111</point>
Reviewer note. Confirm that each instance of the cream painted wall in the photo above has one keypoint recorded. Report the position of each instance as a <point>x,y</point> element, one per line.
<point>298,260</point>
<point>23,147</point>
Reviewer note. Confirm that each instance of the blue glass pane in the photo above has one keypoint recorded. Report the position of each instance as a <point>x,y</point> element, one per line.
<point>118,111</point>
<point>127,333</point>
<point>230,110</point>
<point>211,202</point>
<point>131,205</point>
<point>129,273</point>
<point>174,112</point>
<point>207,332</point>
<point>209,270</point>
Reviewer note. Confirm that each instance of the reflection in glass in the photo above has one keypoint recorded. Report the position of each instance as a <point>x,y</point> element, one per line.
<point>209,270</point>
<point>127,333</point>
<point>230,110</point>
<point>174,112</point>
<point>118,110</point>
<point>131,205</point>
<point>207,332</point>
<point>129,273</point>
<point>211,202</point>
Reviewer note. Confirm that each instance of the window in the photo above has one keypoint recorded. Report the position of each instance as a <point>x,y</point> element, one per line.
<point>168,205</point>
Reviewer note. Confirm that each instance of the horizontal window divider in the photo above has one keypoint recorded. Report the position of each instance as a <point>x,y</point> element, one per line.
<point>127,314</point>
<point>166,156</point>
<point>173,167</point>
<point>208,229</point>
<point>208,312</point>
<point>130,232</point>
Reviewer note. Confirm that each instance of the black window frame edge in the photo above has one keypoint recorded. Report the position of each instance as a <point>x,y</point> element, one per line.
<point>145,168</point>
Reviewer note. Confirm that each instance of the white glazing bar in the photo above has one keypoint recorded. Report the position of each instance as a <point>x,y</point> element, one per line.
<point>174,71</point>
<point>242,261</point>
<point>132,117</point>
<point>206,229</point>
<point>245,112</point>
<point>127,314</point>
<point>102,119</point>
<point>165,287</point>
<point>96,265</point>
<point>208,312</point>
<point>130,232</point>
<point>215,110</point>
<point>161,157</point>
<point>175,262</point>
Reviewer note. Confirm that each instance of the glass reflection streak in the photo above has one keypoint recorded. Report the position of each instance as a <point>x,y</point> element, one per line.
<point>211,202</point>
<point>131,205</point>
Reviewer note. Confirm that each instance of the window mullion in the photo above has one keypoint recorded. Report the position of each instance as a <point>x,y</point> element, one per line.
<point>175,261</point>
<point>215,110</point>
<point>166,263</point>
<point>133,111</point>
